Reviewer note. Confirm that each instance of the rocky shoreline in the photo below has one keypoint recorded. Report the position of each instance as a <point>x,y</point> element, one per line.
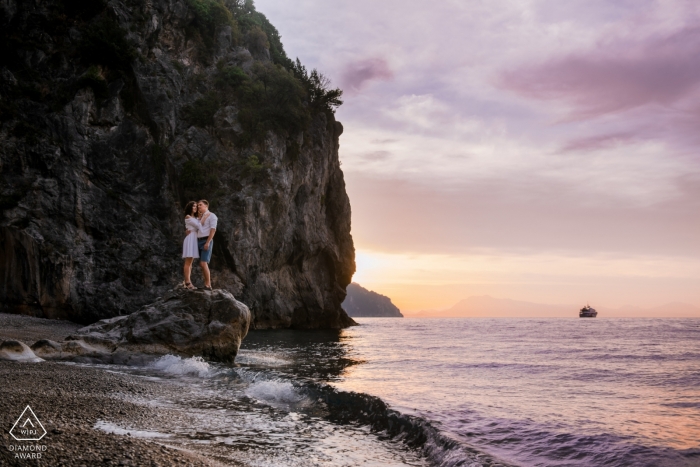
<point>69,400</point>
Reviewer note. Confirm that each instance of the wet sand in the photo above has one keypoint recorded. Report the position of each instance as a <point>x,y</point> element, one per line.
<point>70,399</point>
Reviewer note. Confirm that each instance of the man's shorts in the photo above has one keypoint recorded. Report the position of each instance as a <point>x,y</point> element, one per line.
<point>205,255</point>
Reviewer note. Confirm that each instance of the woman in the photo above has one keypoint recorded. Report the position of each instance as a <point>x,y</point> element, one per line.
<point>190,250</point>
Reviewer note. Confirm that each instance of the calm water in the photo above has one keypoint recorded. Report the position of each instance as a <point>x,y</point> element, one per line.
<point>446,392</point>
<point>542,392</point>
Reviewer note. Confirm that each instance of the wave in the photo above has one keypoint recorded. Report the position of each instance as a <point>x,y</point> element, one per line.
<point>276,392</point>
<point>415,432</point>
<point>265,359</point>
<point>174,365</point>
<point>109,427</point>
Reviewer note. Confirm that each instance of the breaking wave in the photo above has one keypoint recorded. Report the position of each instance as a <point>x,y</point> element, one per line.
<point>415,432</point>
<point>175,365</point>
<point>275,391</point>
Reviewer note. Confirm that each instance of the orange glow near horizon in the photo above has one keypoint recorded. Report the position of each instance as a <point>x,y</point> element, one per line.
<point>418,282</point>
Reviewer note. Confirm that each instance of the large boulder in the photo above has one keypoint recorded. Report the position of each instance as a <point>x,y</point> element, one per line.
<point>210,324</point>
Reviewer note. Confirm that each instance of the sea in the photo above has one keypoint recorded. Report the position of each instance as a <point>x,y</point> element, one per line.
<point>443,392</point>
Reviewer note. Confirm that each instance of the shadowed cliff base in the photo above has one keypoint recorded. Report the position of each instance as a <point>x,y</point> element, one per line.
<point>114,114</point>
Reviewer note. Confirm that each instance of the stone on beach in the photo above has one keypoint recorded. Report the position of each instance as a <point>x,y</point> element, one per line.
<point>17,351</point>
<point>209,324</point>
<point>68,350</point>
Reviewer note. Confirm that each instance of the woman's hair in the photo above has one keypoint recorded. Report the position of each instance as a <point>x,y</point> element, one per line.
<point>188,208</point>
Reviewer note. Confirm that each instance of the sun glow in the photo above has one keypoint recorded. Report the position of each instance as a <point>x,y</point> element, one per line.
<point>434,281</point>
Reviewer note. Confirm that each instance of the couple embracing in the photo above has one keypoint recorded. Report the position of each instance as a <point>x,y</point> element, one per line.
<point>199,241</point>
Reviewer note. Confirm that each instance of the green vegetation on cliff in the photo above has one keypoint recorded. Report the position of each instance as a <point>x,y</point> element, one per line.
<point>280,96</point>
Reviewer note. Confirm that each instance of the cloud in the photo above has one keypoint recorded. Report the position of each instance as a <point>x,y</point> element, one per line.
<point>357,74</point>
<point>617,76</point>
<point>377,155</point>
<point>595,143</point>
<point>622,169</point>
<point>528,215</point>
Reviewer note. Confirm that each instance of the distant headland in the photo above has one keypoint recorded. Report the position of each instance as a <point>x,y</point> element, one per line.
<point>363,303</point>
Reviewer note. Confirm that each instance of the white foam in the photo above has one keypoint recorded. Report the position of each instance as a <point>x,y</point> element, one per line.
<point>260,359</point>
<point>117,430</point>
<point>275,392</point>
<point>178,366</point>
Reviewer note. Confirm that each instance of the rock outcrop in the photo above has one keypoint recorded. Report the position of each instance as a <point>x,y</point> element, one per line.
<point>182,322</point>
<point>114,113</point>
<point>361,302</point>
<point>208,324</point>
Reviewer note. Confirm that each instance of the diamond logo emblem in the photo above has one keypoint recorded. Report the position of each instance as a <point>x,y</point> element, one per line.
<point>28,427</point>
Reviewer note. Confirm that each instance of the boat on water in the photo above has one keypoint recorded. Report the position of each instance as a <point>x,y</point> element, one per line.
<point>587,312</point>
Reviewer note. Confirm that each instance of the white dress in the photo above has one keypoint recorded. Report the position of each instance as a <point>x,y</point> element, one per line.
<point>190,249</point>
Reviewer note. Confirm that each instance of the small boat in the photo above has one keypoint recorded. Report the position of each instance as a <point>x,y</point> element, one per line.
<point>587,312</point>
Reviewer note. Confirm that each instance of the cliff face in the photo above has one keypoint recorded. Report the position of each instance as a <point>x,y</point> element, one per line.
<point>363,303</point>
<point>114,114</point>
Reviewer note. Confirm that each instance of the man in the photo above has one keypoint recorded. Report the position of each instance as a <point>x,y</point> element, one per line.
<point>205,239</point>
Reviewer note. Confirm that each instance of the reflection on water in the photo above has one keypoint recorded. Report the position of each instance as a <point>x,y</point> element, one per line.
<point>543,392</point>
<point>320,355</point>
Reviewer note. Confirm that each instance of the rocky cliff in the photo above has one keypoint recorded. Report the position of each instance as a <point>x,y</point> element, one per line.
<point>363,303</point>
<point>113,114</point>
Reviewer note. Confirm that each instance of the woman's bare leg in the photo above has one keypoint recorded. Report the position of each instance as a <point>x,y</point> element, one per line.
<point>187,269</point>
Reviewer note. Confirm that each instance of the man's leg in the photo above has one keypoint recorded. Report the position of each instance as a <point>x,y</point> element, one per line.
<point>205,271</point>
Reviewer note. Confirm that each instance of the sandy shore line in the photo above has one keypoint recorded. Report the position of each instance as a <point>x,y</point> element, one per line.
<point>69,400</point>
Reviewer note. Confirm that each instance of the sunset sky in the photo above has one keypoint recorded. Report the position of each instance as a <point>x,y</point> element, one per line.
<point>538,150</point>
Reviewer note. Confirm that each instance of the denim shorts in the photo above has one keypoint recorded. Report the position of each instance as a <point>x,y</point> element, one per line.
<point>205,255</point>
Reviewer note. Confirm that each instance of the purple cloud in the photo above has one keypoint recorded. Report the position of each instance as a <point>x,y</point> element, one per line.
<point>616,77</point>
<point>595,143</point>
<point>356,74</point>
<point>376,155</point>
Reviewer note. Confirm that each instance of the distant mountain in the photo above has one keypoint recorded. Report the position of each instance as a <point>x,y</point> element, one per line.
<point>363,303</point>
<point>486,306</point>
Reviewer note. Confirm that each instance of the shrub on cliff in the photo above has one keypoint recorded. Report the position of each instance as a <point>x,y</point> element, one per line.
<point>257,40</point>
<point>271,99</point>
<point>229,78</point>
<point>248,18</point>
<point>201,112</point>
<point>277,98</point>
<point>209,16</point>
<point>321,96</point>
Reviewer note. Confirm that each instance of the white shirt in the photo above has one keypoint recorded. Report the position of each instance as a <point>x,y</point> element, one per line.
<point>192,224</point>
<point>207,225</point>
